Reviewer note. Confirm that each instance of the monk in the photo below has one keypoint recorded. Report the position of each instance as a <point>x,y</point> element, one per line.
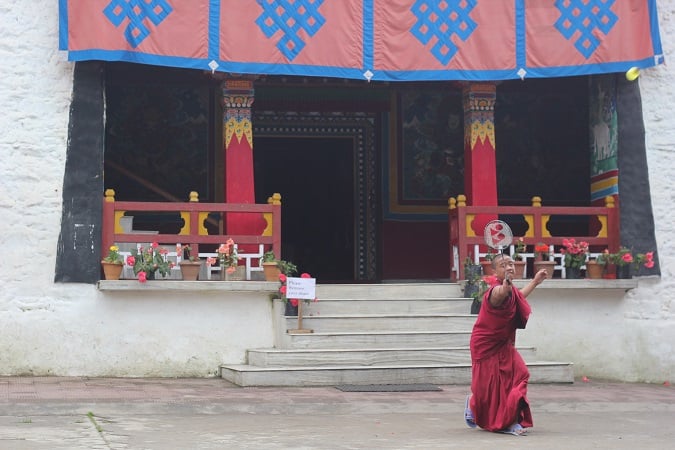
<point>499,375</point>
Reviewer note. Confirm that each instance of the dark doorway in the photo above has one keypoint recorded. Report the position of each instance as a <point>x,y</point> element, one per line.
<point>315,177</point>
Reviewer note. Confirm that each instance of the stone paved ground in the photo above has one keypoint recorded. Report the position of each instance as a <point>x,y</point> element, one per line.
<point>113,413</point>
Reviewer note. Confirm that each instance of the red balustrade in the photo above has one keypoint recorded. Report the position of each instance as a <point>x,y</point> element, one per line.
<point>603,227</point>
<point>195,217</point>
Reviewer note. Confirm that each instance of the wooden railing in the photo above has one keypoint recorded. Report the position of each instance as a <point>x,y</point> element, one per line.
<point>194,218</point>
<point>468,242</point>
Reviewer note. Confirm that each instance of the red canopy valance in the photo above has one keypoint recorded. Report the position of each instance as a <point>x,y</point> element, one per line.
<point>385,40</point>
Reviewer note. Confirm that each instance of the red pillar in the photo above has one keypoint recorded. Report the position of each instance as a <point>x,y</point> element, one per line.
<point>238,96</point>
<point>480,171</point>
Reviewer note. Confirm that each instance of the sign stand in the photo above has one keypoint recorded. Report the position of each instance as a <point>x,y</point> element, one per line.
<point>302,289</point>
<point>300,330</point>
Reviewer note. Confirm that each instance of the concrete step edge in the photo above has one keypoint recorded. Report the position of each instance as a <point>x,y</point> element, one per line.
<point>249,368</point>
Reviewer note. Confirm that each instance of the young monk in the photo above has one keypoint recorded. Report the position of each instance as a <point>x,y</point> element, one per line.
<point>499,375</point>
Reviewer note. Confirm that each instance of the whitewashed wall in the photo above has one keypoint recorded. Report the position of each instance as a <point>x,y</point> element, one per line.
<point>73,329</point>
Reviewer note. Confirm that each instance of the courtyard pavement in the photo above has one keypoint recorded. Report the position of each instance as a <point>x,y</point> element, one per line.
<point>150,413</point>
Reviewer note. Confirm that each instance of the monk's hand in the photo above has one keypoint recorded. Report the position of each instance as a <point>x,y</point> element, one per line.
<point>540,276</point>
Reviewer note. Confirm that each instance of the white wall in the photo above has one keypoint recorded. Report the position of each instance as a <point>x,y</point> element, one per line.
<point>73,329</point>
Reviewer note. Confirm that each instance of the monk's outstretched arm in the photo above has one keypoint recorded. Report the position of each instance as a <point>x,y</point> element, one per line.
<point>536,281</point>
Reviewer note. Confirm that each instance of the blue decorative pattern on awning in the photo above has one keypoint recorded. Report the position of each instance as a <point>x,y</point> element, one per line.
<point>137,11</point>
<point>442,21</point>
<point>586,18</point>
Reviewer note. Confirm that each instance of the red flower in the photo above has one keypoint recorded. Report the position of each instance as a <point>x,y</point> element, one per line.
<point>131,260</point>
<point>142,277</point>
<point>282,277</point>
<point>282,290</point>
<point>305,275</point>
<point>294,301</point>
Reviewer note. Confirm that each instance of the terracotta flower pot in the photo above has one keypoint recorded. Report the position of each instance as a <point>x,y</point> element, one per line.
<point>271,270</point>
<point>190,270</point>
<point>549,266</point>
<point>520,269</point>
<point>112,271</point>
<point>487,267</point>
<point>594,270</point>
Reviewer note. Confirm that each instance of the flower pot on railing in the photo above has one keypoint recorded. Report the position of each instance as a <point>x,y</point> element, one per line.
<point>271,270</point>
<point>624,272</point>
<point>239,274</point>
<point>594,270</point>
<point>548,266</point>
<point>487,267</point>
<point>190,270</point>
<point>112,271</point>
<point>520,269</point>
<point>572,273</point>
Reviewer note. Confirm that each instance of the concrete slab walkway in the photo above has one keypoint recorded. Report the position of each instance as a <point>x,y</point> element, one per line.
<point>113,413</point>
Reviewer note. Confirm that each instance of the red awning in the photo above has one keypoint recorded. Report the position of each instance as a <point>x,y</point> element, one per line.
<point>383,40</point>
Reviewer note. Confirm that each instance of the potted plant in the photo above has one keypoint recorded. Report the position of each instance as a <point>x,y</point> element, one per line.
<point>471,270</point>
<point>190,265</point>
<point>595,267</point>
<point>482,285</point>
<point>270,265</point>
<point>541,251</point>
<point>148,261</point>
<point>519,248</point>
<point>112,264</point>
<point>574,256</point>
<point>486,263</point>
<point>228,259</point>
<point>541,260</point>
<point>624,261</point>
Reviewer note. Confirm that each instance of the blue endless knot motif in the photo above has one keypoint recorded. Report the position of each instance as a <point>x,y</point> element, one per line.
<point>137,11</point>
<point>442,20</point>
<point>290,16</point>
<point>585,16</point>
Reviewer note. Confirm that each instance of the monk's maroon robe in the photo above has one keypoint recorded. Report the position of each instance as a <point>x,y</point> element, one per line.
<point>499,374</point>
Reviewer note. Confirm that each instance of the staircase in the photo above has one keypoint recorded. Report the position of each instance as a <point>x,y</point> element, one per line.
<point>408,333</point>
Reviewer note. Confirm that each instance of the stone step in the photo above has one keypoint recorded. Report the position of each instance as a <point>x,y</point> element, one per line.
<point>375,339</point>
<point>442,374</point>
<point>388,291</point>
<point>366,357</point>
<point>384,322</point>
<point>390,306</point>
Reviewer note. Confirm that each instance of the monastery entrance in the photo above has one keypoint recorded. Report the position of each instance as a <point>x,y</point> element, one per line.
<point>324,168</point>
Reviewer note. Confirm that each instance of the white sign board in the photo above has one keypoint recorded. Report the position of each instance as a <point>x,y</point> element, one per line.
<point>301,288</point>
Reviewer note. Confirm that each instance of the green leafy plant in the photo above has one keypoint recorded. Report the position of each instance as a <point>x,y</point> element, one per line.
<point>575,253</point>
<point>149,260</point>
<point>287,268</point>
<point>471,270</point>
<point>519,248</point>
<point>482,284</point>
<point>114,256</point>
<point>268,257</point>
<point>490,255</point>
<point>625,256</point>
<point>186,252</point>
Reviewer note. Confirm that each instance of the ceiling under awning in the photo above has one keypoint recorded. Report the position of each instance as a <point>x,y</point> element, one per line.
<point>379,40</point>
